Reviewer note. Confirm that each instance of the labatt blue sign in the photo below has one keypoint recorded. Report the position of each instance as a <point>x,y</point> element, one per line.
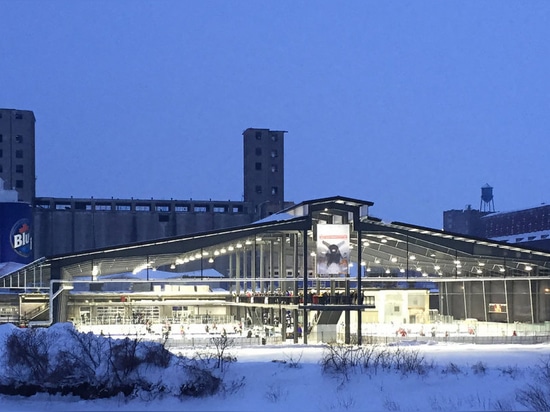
<point>20,238</point>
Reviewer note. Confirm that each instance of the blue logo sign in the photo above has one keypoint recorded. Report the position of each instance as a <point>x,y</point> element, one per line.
<point>20,238</point>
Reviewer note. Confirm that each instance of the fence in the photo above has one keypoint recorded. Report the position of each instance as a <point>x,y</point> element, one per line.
<point>206,342</point>
<point>480,340</point>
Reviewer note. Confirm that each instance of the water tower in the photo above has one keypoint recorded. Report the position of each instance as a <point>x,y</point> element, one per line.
<point>487,204</point>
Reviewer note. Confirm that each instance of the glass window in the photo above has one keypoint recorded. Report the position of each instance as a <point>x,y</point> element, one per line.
<point>19,139</point>
<point>18,116</point>
<point>273,137</point>
<point>274,168</point>
<point>1,138</point>
<point>274,190</point>
<point>258,151</point>
<point>258,135</point>
<point>258,189</point>
<point>19,154</point>
<point>258,166</point>
<point>19,184</point>
<point>274,153</point>
<point>18,168</point>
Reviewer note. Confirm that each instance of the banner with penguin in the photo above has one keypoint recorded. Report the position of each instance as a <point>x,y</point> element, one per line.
<point>333,249</point>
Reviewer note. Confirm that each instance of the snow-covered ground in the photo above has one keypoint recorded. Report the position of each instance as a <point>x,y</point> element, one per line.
<point>462,377</point>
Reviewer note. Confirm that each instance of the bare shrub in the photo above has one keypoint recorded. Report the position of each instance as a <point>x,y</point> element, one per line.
<point>502,405</point>
<point>537,396</point>
<point>155,354</point>
<point>276,393</point>
<point>544,369</point>
<point>342,359</point>
<point>346,403</point>
<point>368,355</point>
<point>27,355</point>
<point>83,360</point>
<point>411,362</point>
<point>200,382</point>
<point>222,344</point>
<point>382,359</point>
<point>511,371</point>
<point>391,405</point>
<point>123,357</point>
<point>293,362</point>
<point>479,368</point>
<point>233,386</point>
<point>534,397</point>
<point>338,360</point>
<point>452,369</point>
<point>148,391</point>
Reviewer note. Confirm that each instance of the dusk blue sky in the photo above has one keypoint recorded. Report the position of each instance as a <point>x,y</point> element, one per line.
<point>414,105</point>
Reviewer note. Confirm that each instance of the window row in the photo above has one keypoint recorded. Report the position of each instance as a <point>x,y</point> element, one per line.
<point>274,190</point>
<point>272,136</point>
<point>274,167</point>
<point>128,207</point>
<point>274,152</point>
<point>18,138</point>
<point>18,169</point>
<point>18,116</point>
<point>18,154</point>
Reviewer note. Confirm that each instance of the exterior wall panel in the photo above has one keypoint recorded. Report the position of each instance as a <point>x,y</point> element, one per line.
<point>16,232</point>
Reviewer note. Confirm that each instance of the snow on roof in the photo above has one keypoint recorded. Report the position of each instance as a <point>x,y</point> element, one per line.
<point>542,205</point>
<point>276,217</point>
<point>9,267</point>
<point>524,237</point>
<point>163,275</point>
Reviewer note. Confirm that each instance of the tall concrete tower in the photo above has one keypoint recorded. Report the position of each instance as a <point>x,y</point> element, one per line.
<point>17,152</point>
<point>264,170</point>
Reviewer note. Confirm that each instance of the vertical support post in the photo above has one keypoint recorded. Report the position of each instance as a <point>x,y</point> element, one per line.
<point>464,296</point>
<point>282,265</point>
<point>271,268</point>
<point>237,273</point>
<point>447,297</point>
<point>485,302</point>
<point>253,265</point>
<point>305,257</point>
<point>231,271</point>
<point>295,290</point>
<point>407,263</point>
<point>506,298</point>
<point>531,302</point>
<point>347,331</point>
<point>359,290</point>
<point>245,270</point>
<point>262,269</point>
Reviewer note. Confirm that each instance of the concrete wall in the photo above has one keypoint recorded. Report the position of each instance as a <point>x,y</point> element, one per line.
<point>67,225</point>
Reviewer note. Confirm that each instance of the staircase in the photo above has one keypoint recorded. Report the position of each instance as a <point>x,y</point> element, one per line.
<point>325,326</point>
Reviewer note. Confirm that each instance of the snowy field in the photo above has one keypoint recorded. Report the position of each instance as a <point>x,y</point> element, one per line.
<point>455,377</point>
